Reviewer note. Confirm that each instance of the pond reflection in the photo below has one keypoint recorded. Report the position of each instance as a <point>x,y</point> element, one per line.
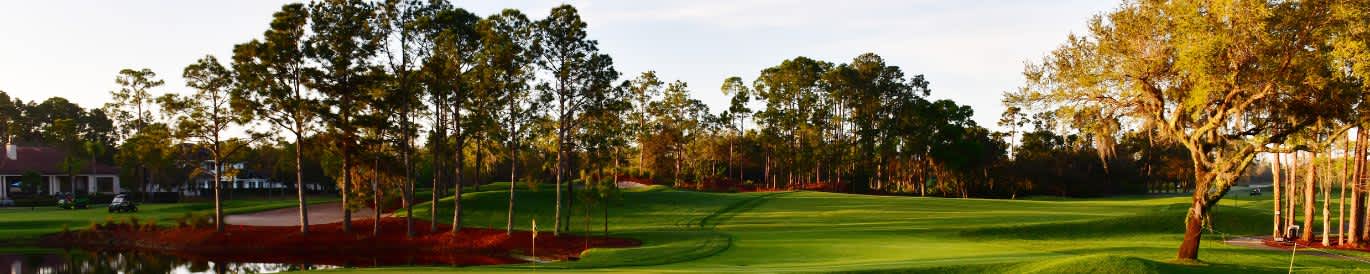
<point>82,261</point>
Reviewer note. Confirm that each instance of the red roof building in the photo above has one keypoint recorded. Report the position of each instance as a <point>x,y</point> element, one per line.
<point>16,161</point>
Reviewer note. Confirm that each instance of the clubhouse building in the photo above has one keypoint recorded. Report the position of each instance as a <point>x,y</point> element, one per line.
<point>46,162</point>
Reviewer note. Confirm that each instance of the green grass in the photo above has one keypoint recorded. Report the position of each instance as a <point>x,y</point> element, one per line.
<point>686,231</point>
<point>22,226</point>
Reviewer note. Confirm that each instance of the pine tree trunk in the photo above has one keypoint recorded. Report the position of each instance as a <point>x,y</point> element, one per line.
<point>347,184</point>
<point>1354,225</point>
<point>218,204</point>
<point>479,164</point>
<point>1308,198</point>
<point>556,224</point>
<point>1291,189</point>
<point>1341,202</point>
<point>376,197</point>
<point>1358,213</point>
<point>299,183</point>
<point>768,171</point>
<point>513,180</point>
<point>437,152</point>
<point>570,191</point>
<point>408,194</point>
<point>457,163</point>
<point>1326,200</point>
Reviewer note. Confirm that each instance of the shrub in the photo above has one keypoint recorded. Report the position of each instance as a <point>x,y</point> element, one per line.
<point>181,222</point>
<point>532,184</point>
<point>193,221</point>
<point>149,225</point>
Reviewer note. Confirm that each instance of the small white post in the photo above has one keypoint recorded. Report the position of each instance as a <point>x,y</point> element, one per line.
<point>535,240</point>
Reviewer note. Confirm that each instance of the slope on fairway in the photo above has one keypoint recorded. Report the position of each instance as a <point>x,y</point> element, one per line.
<point>828,232</point>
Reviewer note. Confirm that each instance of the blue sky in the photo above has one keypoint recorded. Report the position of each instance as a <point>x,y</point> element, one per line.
<point>970,50</point>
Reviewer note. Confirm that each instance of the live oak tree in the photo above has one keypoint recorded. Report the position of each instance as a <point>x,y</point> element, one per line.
<point>1222,79</point>
<point>343,46</point>
<point>271,76</point>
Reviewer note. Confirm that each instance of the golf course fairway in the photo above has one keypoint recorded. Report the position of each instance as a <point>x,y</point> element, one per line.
<point>686,231</point>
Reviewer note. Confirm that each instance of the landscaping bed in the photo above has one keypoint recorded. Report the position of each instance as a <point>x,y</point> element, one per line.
<point>327,244</point>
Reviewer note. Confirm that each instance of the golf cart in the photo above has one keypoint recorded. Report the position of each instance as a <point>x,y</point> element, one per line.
<point>1292,233</point>
<point>70,201</point>
<point>121,203</point>
<point>1255,192</point>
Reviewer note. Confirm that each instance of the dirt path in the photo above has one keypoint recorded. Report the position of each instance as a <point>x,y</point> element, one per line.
<point>1258,243</point>
<point>318,214</point>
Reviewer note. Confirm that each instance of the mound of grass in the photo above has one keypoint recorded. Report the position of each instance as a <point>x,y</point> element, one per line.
<point>1093,264</point>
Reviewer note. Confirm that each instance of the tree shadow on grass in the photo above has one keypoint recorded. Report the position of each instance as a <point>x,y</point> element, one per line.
<point>1164,220</point>
<point>694,237</point>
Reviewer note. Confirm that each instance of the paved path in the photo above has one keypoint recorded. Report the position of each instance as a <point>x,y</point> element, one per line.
<point>318,214</point>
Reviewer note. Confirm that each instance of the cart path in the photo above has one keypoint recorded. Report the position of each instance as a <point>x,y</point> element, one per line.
<point>1258,243</point>
<point>318,214</point>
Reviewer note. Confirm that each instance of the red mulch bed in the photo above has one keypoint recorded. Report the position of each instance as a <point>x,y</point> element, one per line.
<point>1316,243</point>
<point>327,244</point>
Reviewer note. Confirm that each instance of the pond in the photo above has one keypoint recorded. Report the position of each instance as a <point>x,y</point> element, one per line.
<point>133,262</point>
<point>83,261</point>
